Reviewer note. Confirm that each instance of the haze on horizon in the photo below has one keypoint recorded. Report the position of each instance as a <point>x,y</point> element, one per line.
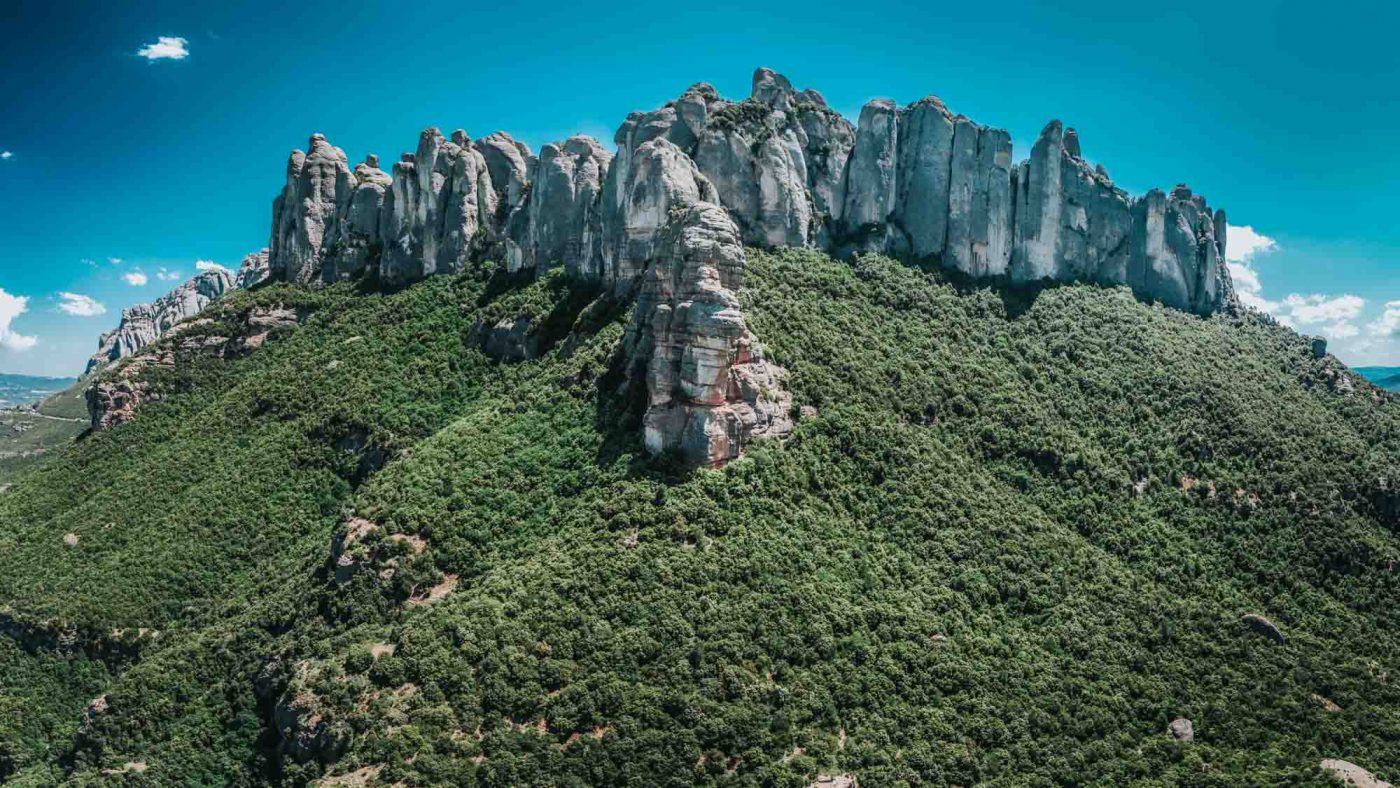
<point>142,143</point>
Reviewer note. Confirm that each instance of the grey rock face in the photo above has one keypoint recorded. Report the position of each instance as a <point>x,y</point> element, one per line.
<point>565,207</point>
<point>659,178</point>
<point>145,323</point>
<point>318,184</point>
<point>438,201</point>
<point>918,182</point>
<point>356,243</point>
<point>1175,257</point>
<point>253,270</point>
<point>710,390</point>
<point>870,179</point>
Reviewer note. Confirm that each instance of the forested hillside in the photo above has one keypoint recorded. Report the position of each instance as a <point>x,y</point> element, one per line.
<point>1013,536</point>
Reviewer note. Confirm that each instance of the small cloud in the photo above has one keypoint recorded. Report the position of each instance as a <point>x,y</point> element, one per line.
<point>1243,243</point>
<point>11,307</point>
<point>208,265</point>
<point>1317,308</point>
<point>166,276</point>
<point>6,155</point>
<point>135,278</point>
<point>165,48</point>
<point>115,260</point>
<point>80,305</point>
<point>88,261</point>
<point>1388,324</point>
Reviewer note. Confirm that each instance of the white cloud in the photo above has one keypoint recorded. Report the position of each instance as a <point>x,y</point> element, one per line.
<point>165,48</point>
<point>1243,243</point>
<point>11,307</point>
<point>1317,308</point>
<point>115,260</point>
<point>166,276</point>
<point>1387,326</point>
<point>135,278</point>
<point>80,305</point>
<point>6,155</point>
<point>208,265</point>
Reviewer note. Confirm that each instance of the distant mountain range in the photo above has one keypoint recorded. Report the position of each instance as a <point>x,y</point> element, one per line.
<point>1387,378</point>
<point>28,389</point>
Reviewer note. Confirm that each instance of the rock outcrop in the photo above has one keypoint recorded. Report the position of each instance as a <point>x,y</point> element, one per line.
<point>710,389</point>
<point>254,270</point>
<point>779,168</point>
<point>1351,774</point>
<point>918,182</point>
<point>145,323</point>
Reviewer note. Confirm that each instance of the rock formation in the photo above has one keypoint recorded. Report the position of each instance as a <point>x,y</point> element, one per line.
<point>254,270</point>
<point>710,389</point>
<point>145,323</point>
<point>779,168</point>
<point>917,182</point>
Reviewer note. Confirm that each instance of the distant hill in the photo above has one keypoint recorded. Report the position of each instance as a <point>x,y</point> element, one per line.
<point>28,389</point>
<point>1387,378</point>
<point>53,413</point>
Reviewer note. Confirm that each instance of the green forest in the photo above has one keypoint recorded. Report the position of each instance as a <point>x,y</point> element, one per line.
<point>1014,535</point>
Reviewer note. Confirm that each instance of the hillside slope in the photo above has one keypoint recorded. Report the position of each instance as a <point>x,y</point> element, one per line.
<point>1012,537</point>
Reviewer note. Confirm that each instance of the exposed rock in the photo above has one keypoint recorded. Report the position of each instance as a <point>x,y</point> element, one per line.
<point>1328,705</point>
<point>114,400</point>
<point>710,390</point>
<point>1351,774</point>
<point>658,179</point>
<point>565,221</point>
<point>870,178</point>
<point>254,270</point>
<point>918,182</point>
<point>145,323</point>
<point>1174,257</point>
<point>305,213</point>
<point>1181,730</point>
<point>507,340</point>
<point>1264,627</point>
<point>305,733</point>
<point>356,243</point>
<point>1319,348</point>
<point>835,781</point>
<point>437,211</point>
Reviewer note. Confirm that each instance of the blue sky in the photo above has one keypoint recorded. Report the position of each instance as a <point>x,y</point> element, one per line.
<point>1282,113</point>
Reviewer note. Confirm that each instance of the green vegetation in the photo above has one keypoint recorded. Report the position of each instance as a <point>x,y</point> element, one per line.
<point>1013,543</point>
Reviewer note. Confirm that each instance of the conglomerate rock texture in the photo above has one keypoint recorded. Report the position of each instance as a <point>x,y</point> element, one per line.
<point>778,169</point>
<point>145,323</point>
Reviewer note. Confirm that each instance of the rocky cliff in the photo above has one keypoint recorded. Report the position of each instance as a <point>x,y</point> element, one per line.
<point>779,168</point>
<point>145,323</point>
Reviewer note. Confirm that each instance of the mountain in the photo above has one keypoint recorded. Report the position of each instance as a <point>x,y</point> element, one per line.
<point>28,389</point>
<point>145,323</point>
<point>1387,378</point>
<point>712,507</point>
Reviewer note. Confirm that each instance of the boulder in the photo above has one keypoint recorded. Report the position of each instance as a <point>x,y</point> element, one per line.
<point>1181,730</point>
<point>1264,627</point>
